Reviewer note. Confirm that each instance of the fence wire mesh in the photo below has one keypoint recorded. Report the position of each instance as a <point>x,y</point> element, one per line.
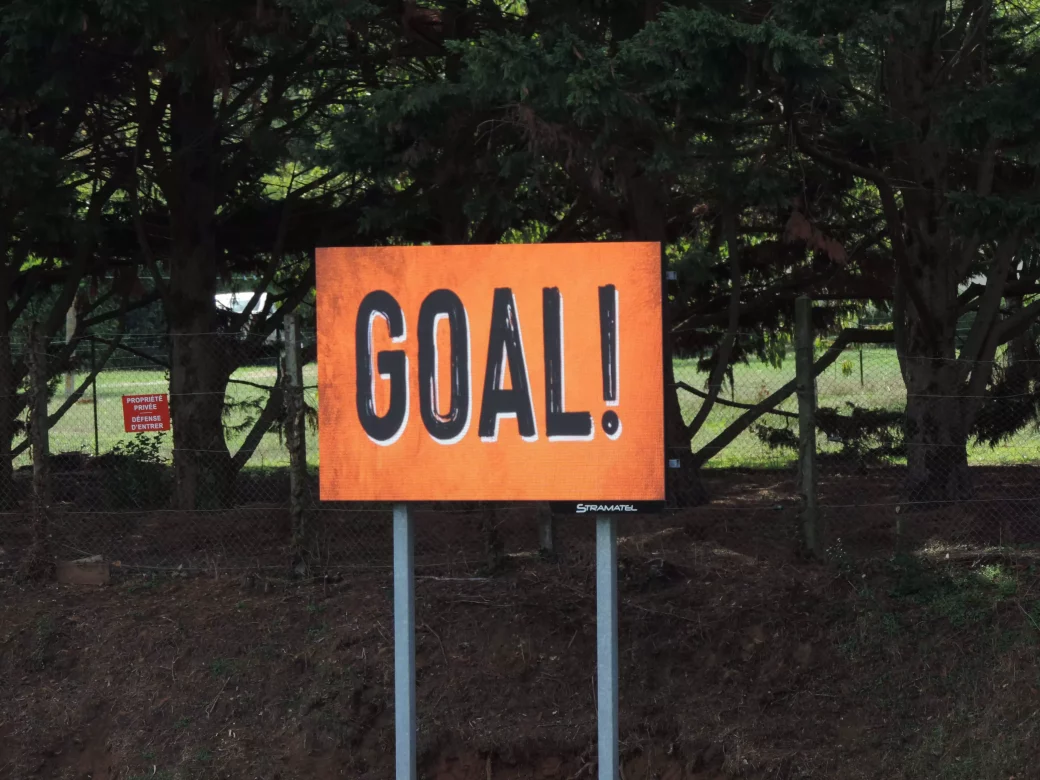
<point>894,468</point>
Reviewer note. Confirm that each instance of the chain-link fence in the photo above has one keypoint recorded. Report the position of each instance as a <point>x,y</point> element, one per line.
<point>948,467</point>
<point>887,468</point>
<point>168,500</point>
<point>905,462</point>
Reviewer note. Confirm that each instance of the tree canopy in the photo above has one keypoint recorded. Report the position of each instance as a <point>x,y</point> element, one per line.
<point>880,154</point>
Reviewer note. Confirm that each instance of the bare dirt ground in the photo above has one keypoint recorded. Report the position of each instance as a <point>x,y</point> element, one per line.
<point>737,660</point>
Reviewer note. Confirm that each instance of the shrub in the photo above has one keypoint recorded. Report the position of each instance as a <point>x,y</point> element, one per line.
<point>866,436</point>
<point>136,475</point>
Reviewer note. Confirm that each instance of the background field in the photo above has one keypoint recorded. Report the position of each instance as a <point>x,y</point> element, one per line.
<point>867,378</point>
<point>75,431</point>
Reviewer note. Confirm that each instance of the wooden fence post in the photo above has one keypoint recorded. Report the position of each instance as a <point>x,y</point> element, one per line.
<point>806,389</point>
<point>70,331</point>
<point>547,541</point>
<point>38,563</point>
<point>304,556</point>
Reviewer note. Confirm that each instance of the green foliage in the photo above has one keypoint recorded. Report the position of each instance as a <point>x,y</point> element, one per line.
<point>41,651</point>
<point>136,475</point>
<point>147,584</point>
<point>223,668</point>
<point>961,597</point>
<point>1013,399</point>
<point>503,121</point>
<point>865,435</point>
<point>155,774</point>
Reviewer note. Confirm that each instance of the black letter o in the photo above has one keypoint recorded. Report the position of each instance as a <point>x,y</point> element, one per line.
<point>449,428</point>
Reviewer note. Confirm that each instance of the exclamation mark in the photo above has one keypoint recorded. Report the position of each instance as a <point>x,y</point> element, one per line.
<point>608,343</point>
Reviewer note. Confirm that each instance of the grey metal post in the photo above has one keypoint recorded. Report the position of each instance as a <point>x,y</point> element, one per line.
<point>607,647</point>
<point>806,385</point>
<point>404,642</point>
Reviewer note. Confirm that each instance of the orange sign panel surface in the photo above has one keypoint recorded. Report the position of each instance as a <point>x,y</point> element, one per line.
<point>483,373</point>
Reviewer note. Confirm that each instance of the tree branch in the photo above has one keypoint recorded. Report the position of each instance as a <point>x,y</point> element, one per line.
<point>79,261</point>
<point>292,299</point>
<point>73,399</point>
<point>1018,323</point>
<point>140,303</point>
<point>271,413</point>
<point>891,211</point>
<point>277,250</point>
<point>989,304</point>
<point>136,353</point>
<point>742,423</point>
<point>725,350</point>
<point>732,404</point>
<point>53,419</point>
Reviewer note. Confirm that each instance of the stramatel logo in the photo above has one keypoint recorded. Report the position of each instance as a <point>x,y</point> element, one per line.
<point>607,509</point>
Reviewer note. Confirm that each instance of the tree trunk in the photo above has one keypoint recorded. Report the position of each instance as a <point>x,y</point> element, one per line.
<point>199,355</point>
<point>305,553</point>
<point>204,473</point>
<point>936,456</point>
<point>683,479</point>
<point>939,416</point>
<point>1022,355</point>
<point>38,562</point>
<point>8,410</point>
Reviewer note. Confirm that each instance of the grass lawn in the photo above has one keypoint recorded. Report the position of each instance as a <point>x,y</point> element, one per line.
<point>880,386</point>
<point>75,431</point>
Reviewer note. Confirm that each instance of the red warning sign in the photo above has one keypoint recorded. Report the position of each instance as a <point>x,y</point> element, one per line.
<point>145,413</point>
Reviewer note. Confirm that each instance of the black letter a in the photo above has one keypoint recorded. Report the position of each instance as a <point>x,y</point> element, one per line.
<point>506,346</point>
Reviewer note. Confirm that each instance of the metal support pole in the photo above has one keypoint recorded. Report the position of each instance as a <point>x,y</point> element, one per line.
<point>404,642</point>
<point>607,646</point>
